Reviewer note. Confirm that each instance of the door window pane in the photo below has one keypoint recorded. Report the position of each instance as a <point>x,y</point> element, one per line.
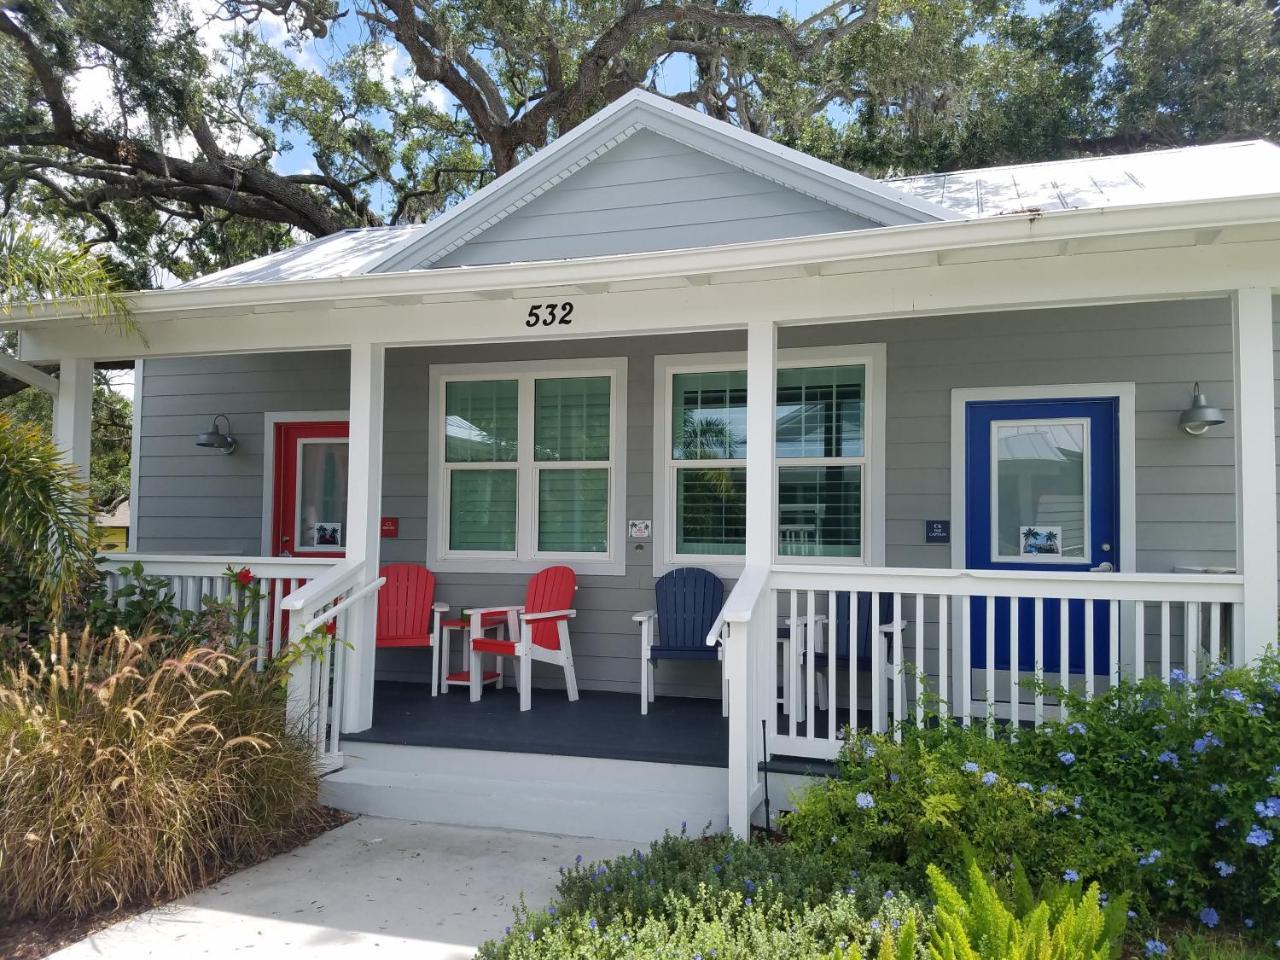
<point>711,511</point>
<point>820,411</point>
<point>571,419</point>
<point>322,495</point>
<point>481,421</point>
<point>709,415</point>
<point>820,511</point>
<point>573,511</point>
<point>482,510</point>
<point>1041,503</point>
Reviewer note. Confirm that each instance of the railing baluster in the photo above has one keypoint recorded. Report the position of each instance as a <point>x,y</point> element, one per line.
<point>794,643</point>
<point>966,647</point>
<point>1113,643</point>
<point>1015,692</point>
<point>1139,640</point>
<point>1064,655</point>
<point>810,666</point>
<point>918,666</point>
<point>944,655</point>
<point>1191,638</point>
<point>1038,654</point>
<point>1165,642</point>
<point>832,633</point>
<point>1215,632</point>
<point>991,665</point>
<point>855,644</point>
<point>899,669</point>
<point>877,665</point>
<point>1090,610</point>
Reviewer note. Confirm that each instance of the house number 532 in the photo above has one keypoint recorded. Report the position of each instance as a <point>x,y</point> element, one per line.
<point>549,314</point>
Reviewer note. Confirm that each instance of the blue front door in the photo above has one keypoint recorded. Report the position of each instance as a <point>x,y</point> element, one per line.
<point>1042,493</point>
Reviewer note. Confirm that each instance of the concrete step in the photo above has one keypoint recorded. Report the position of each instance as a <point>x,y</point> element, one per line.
<point>576,796</point>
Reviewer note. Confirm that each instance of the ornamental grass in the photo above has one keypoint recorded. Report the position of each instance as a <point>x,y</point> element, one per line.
<point>134,771</point>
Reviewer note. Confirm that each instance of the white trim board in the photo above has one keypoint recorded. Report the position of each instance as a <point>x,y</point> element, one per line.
<point>873,356</point>
<point>135,457</point>
<point>269,421</point>
<point>1126,455</point>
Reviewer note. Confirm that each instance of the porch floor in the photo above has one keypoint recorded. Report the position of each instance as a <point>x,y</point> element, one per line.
<point>603,725</point>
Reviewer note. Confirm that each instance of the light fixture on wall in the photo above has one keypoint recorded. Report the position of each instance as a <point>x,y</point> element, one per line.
<point>216,439</point>
<point>1199,417</point>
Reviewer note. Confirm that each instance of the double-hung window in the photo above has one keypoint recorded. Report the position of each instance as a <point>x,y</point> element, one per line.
<point>528,464</point>
<point>821,415</point>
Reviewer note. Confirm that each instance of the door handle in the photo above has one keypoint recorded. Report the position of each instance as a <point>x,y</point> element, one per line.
<point>1106,566</point>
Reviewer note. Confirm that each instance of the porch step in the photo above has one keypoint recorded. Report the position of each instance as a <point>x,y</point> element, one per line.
<point>626,800</point>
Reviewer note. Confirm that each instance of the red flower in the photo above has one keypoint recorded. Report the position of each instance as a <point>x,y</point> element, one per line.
<point>245,576</point>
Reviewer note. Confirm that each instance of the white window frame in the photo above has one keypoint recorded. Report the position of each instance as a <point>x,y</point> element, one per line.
<point>527,558</point>
<point>298,549</point>
<point>871,356</point>
<point>993,491</point>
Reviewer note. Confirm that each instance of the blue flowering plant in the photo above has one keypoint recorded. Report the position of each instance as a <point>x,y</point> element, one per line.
<point>1180,784</point>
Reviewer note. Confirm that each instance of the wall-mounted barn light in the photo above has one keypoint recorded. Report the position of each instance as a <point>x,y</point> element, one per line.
<point>1199,417</point>
<point>216,439</point>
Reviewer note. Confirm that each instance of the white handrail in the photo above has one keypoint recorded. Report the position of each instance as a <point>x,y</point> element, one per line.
<point>742,600</point>
<point>324,587</point>
<point>336,609</point>
<point>1047,584</point>
<point>214,565</point>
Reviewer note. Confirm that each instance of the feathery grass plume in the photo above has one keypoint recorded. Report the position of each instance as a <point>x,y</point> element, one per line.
<point>130,775</point>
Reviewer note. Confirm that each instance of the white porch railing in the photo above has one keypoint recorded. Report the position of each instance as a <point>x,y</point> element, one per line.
<point>319,606</point>
<point>784,625</point>
<point>326,617</point>
<point>193,579</point>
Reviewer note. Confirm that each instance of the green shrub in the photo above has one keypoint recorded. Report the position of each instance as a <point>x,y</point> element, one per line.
<point>129,774</point>
<point>1067,925</point>
<point>1182,784</point>
<point>941,796</point>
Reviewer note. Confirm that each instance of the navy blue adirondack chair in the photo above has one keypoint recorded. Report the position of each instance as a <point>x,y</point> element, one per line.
<point>689,600</point>
<point>844,629</point>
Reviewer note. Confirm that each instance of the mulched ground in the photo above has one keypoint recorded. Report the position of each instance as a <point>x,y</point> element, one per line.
<point>34,939</point>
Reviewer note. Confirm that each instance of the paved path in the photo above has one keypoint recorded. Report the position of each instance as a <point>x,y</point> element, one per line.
<point>386,888</point>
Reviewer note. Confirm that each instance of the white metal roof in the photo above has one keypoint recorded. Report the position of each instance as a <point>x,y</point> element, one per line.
<point>1249,168</point>
<point>1217,171</point>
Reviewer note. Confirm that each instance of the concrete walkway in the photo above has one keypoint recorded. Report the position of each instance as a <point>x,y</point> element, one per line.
<point>386,888</point>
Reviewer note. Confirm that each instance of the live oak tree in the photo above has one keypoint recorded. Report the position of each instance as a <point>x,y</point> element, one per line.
<point>186,135</point>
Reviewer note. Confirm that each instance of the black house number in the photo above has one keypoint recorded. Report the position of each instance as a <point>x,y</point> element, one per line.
<point>549,314</point>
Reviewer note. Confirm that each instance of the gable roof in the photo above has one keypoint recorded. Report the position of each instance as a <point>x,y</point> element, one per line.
<point>1216,171</point>
<point>640,110</point>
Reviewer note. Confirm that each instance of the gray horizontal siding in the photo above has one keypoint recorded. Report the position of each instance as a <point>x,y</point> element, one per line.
<point>650,193</point>
<point>193,500</point>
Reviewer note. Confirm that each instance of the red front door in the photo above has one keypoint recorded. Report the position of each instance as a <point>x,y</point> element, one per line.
<point>309,513</point>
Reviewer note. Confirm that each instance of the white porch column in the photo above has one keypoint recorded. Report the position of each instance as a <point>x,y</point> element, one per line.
<point>73,412</point>
<point>364,509</point>
<point>744,724</point>
<point>1255,430</point>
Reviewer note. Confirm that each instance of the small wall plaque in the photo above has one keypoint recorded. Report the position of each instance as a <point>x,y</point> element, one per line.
<point>937,531</point>
<point>639,529</point>
<point>390,528</point>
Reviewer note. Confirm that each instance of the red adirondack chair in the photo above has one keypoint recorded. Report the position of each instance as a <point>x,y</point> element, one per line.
<point>541,628</point>
<point>408,615</point>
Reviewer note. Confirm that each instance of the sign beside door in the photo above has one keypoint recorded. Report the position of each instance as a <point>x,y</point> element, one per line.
<point>309,488</point>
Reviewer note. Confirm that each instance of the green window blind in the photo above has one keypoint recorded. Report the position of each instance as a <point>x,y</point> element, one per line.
<point>571,419</point>
<point>820,511</point>
<point>573,511</point>
<point>481,421</point>
<point>820,411</point>
<point>482,510</point>
<point>711,511</point>
<point>709,415</point>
